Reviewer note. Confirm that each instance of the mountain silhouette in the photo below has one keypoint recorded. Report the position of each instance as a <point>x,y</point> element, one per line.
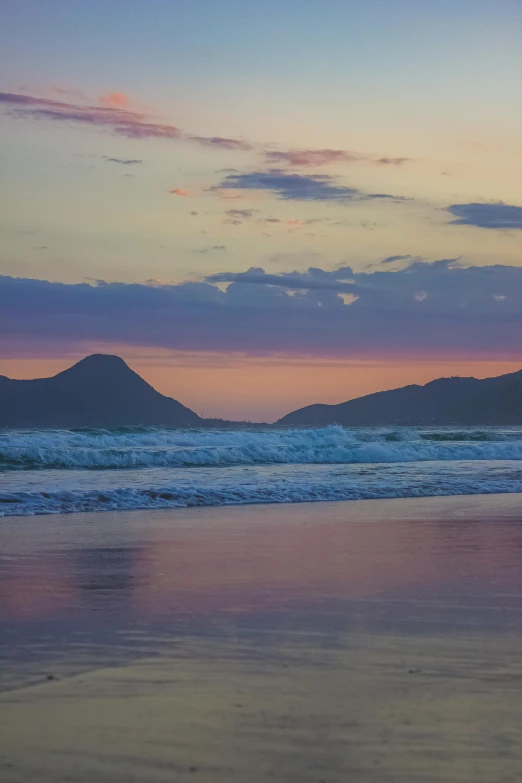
<point>98,391</point>
<point>102,391</point>
<point>461,401</point>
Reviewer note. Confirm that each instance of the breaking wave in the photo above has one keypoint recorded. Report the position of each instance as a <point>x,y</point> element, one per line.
<point>317,486</point>
<point>63,471</point>
<point>147,448</point>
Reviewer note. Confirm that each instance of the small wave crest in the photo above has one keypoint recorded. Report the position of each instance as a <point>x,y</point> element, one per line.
<point>63,501</point>
<point>148,447</point>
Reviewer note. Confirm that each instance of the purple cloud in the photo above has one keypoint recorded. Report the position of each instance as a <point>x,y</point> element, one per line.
<point>225,144</point>
<point>391,161</point>
<point>427,309</point>
<point>392,259</point>
<point>323,157</point>
<point>493,215</point>
<point>113,112</point>
<point>147,130</point>
<point>314,279</point>
<point>298,187</point>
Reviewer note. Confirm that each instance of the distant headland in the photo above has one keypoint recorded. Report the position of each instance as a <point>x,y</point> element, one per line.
<point>102,391</point>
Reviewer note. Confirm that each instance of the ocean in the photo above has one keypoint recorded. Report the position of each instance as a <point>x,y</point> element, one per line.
<point>62,471</point>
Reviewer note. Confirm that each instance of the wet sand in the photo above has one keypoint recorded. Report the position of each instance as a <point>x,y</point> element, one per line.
<point>372,641</point>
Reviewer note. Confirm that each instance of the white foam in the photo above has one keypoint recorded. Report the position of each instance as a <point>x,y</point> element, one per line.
<point>181,448</point>
<point>57,491</point>
<point>59,471</point>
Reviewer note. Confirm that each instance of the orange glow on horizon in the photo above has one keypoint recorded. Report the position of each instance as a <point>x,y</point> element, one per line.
<point>263,389</point>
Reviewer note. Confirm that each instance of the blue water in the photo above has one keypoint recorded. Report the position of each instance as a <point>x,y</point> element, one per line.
<point>61,471</point>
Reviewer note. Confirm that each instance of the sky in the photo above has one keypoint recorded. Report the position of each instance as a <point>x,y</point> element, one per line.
<point>261,206</point>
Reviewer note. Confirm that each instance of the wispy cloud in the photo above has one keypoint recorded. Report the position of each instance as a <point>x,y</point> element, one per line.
<point>221,143</point>
<point>491,215</point>
<point>213,248</point>
<point>116,112</point>
<point>241,213</point>
<point>391,161</point>
<point>226,196</point>
<point>65,89</point>
<point>113,111</point>
<point>181,192</point>
<point>123,161</point>
<point>393,259</point>
<point>298,187</point>
<point>310,157</point>
<point>322,157</point>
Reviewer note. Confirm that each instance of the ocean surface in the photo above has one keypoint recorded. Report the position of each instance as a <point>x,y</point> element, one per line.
<point>62,471</point>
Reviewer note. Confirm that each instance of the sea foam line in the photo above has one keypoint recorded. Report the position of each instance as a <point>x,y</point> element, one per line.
<point>63,501</point>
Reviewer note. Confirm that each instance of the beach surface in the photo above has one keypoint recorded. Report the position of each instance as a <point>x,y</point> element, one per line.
<point>357,641</point>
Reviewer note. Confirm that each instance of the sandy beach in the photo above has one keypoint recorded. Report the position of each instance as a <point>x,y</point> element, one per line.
<point>361,641</point>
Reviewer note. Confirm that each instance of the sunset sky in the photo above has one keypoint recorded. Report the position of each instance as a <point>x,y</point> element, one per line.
<point>262,205</point>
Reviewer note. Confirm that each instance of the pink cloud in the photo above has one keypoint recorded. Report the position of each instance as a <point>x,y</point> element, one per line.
<point>113,111</point>
<point>311,157</point>
<point>48,108</point>
<point>323,157</point>
<point>181,192</point>
<point>118,99</point>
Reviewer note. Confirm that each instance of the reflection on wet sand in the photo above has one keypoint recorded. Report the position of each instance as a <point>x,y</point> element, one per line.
<point>159,566</point>
<point>374,641</point>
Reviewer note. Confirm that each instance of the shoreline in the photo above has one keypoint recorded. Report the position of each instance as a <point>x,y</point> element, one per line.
<point>476,502</point>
